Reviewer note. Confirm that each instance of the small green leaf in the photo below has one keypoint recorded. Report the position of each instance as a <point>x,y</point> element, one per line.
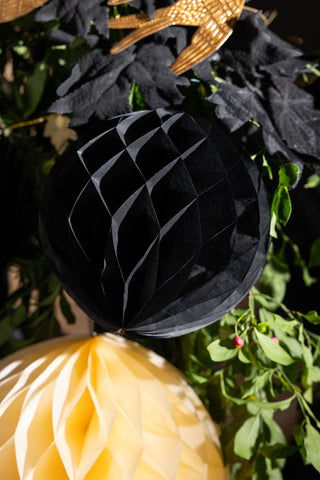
<point>51,298</point>
<point>5,329</point>
<point>258,384</point>
<point>246,437</point>
<point>273,225</point>
<point>278,322</point>
<point>219,352</point>
<point>271,406</point>
<point>315,254</point>
<point>281,204</point>
<point>34,88</point>
<point>308,395</point>
<point>312,446</point>
<point>279,451</point>
<point>263,327</point>
<point>312,317</point>
<point>243,357</point>
<point>306,351</point>
<point>273,282</point>
<point>19,315</point>
<point>276,434</point>
<point>288,174</point>
<point>314,373</point>
<point>291,344</point>
<point>273,351</point>
<point>313,181</point>
<point>267,166</point>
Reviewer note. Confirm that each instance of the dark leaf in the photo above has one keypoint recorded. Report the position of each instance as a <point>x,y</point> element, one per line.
<point>144,6</point>
<point>34,88</point>
<point>95,88</point>
<point>315,254</point>
<point>294,116</point>
<point>252,46</point>
<point>76,16</point>
<point>236,106</point>
<point>291,67</point>
<point>99,85</point>
<point>279,451</point>
<point>260,71</point>
<point>151,72</point>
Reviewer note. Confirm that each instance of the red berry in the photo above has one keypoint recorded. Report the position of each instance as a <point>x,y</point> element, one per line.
<point>238,341</point>
<point>276,340</point>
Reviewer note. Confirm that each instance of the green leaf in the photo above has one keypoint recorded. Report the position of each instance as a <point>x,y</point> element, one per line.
<point>278,322</point>
<point>219,352</point>
<point>279,451</point>
<point>267,166</point>
<point>312,446</point>
<point>34,88</point>
<point>5,329</point>
<point>306,351</point>
<point>243,356</point>
<point>246,437</point>
<point>276,434</point>
<point>273,225</point>
<point>273,351</point>
<point>288,174</point>
<point>281,204</point>
<point>312,317</point>
<point>258,384</point>
<point>51,298</point>
<point>261,469</point>
<point>291,344</point>
<point>313,181</point>
<point>19,315</point>
<point>271,406</point>
<point>273,282</point>
<point>308,395</point>
<point>314,374</point>
<point>315,254</point>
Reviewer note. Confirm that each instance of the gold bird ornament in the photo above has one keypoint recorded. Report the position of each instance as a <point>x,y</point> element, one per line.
<point>13,9</point>
<point>102,408</point>
<point>215,19</point>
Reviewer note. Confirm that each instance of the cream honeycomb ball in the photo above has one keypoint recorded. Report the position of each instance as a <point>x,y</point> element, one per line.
<point>102,408</point>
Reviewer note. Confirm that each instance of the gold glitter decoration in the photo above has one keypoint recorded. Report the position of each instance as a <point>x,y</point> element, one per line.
<point>12,9</point>
<point>215,19</point>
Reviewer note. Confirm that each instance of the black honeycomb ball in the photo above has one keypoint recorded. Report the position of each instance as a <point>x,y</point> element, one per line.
<point>155,223</point>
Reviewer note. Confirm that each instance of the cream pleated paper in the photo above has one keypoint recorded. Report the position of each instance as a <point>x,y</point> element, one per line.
<point>102,408</point>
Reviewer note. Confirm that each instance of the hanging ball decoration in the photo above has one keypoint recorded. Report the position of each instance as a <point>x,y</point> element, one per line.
<point>156,223</point>
<point>102,408</point>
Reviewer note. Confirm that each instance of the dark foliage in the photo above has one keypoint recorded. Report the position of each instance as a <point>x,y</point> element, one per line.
<point>75,17</point>
<point>100,83</point>
<point>259,86</point>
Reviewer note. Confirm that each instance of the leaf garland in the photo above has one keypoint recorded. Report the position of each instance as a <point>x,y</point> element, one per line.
<point>75,18</point>
<point>99,85</point>
<point>259,86</point>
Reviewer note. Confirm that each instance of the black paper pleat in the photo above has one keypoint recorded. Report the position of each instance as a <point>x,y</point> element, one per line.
<point>155,223</point>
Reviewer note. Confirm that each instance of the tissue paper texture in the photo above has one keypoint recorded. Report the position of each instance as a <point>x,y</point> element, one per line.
<point>102,408</point>
<point>155,223</point>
